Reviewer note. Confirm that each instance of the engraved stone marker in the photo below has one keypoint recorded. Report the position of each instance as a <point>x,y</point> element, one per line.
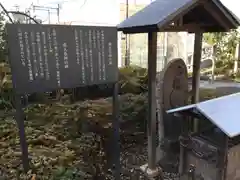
<point>173,92</point>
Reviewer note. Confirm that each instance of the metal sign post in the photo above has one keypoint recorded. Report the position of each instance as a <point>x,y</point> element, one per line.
<point>20,123</point>
<point>116,134</point>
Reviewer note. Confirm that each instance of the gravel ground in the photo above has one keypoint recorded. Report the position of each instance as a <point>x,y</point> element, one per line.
<point>134,154</point>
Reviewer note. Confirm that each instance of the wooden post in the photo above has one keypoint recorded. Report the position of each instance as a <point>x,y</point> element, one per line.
<point>223,158</point>
<point>196,71</point>
<point>152,61</point>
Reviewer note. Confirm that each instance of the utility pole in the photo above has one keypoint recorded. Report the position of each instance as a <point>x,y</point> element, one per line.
<point>58,13</point>
<point>237,58</point>
<point>27,11</point>
<point>48,9</point>
<point>127,53</point>
<point>16,7</point>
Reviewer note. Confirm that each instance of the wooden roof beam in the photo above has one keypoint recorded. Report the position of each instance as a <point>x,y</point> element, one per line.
<point>211,10</point>
<point>192,27</point>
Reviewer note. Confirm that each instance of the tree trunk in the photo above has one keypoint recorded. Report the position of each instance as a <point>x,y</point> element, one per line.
<point>237,57</point>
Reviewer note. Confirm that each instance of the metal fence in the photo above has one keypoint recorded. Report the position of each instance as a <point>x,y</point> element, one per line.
<point>169,46</point>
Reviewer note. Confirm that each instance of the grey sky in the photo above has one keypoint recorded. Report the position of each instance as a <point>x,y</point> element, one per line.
<point>100,11</point>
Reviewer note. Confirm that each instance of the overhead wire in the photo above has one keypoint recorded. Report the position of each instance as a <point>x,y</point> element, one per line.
<point>84,3</point>
<point>24,14</point>
<point>66,1</point>
<point>16,12</point>
<point>6,12</point>
<point>59,2</point>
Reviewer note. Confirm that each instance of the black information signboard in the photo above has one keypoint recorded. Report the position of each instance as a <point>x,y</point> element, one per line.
<point>48,57</point>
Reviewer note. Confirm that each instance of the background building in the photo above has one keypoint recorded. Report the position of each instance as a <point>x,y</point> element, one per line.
<point>169,45</point>
<point>109,13</point>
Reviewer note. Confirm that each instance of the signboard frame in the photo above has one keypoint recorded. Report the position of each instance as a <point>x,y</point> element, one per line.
<point>19,90</point>
<point>48,57</point>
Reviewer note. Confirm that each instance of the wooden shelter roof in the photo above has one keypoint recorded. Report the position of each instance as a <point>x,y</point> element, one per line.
<point>222,111</point>
<point>181,15</point>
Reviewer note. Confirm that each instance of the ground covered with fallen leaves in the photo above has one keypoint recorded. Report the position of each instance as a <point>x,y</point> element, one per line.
<point>73,141</point>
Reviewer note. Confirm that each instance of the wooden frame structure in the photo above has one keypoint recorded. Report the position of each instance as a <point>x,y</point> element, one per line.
<point>193,16</point>
<point>213,151</point>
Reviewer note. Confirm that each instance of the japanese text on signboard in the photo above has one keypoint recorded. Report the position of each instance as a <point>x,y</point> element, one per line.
<point>48,57</point>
